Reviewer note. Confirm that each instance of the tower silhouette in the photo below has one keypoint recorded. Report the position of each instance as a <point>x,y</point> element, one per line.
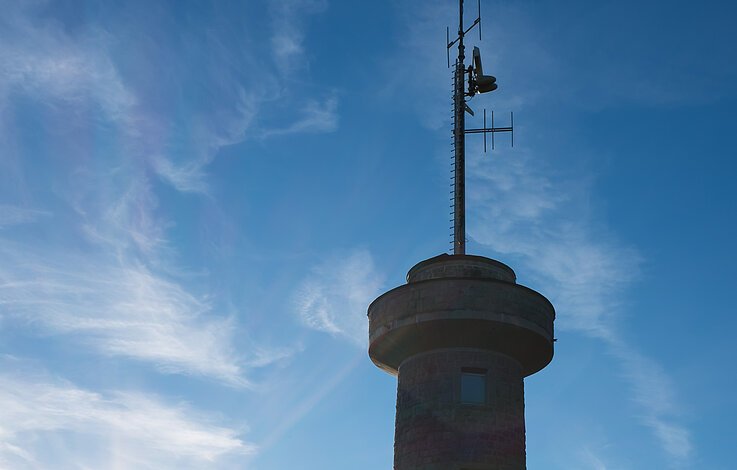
<point>461,336</point>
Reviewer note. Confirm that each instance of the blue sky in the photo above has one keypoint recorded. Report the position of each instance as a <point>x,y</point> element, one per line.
<point>198,200</point>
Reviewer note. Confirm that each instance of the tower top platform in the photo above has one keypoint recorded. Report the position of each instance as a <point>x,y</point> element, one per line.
<point>461,301</point>
<point>468,266</point>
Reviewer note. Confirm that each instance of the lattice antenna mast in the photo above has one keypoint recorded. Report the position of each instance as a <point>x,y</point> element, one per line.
<point>477,83</point>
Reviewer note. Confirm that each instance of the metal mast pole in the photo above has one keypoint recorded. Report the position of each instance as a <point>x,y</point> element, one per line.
<point>459,141</point>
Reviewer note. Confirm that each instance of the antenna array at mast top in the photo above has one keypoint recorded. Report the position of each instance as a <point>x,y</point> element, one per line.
<point>477,83</point>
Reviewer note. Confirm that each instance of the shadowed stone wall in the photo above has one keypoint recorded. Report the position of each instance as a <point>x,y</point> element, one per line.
<point>435,431</point>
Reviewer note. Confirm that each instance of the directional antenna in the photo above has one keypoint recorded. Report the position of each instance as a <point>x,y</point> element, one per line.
<point>478,83</point>
<point>493,130</point>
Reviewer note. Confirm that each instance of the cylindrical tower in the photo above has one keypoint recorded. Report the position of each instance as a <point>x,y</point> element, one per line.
<point>461,335</point>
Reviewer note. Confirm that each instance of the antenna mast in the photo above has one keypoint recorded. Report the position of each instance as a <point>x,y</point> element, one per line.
<point>477,83</point>
<point>459,142</point>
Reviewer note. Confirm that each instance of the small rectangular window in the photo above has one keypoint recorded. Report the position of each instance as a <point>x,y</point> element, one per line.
<point>473,387</point>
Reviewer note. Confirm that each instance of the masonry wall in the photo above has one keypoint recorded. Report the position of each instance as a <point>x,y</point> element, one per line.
<point>435,431</point>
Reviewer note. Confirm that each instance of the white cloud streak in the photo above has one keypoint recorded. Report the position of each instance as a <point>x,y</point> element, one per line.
<point>122,309</point>
<point>592,461</point>
<point>519,211</point>
<point>654,391</point>
<point>189,177</point>
<point>115,288</point>
<point>334,296</point>
<point>54,68</point>
<point>14,215</point>
<point>46,422</point>
<point>287,37</point>
<point>316,117</point>
<point>38,58</point>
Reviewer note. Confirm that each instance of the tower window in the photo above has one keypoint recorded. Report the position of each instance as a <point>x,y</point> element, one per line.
<point>473,386</point>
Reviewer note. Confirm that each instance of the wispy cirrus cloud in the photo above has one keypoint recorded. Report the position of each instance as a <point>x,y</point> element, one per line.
<point>188,177</point>
<point>50,66</point>
<point>79,73</point>
<point>315,117</point>
<point>121,309</point>
<point>15,215</point>
<point>520,210</point>
<point>591,460</point>
<point>111,278</point>
<point>106,275</point>
<point>655,392</point>
<point>287,32</point>
<point>334,296</point>
<point>117,290</point>
<point>47,422</point>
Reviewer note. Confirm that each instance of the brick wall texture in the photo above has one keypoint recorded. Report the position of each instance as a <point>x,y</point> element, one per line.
<point>435,431</point>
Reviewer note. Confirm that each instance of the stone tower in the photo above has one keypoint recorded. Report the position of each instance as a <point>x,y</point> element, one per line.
<point>461,335</point>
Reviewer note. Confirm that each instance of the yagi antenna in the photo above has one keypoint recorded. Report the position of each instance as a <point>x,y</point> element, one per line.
<point>477,83</point>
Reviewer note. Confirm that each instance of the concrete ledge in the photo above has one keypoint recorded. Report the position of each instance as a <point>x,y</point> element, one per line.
<point>478,310</point>
<point>533,351</point>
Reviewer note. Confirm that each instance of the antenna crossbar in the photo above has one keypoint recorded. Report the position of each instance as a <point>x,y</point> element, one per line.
<point>489,130</point>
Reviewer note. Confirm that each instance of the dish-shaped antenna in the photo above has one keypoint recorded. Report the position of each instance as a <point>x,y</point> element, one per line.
<point>484,83</point>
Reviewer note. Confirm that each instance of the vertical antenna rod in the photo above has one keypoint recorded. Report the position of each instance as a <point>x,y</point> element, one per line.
<point>459,140</point>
